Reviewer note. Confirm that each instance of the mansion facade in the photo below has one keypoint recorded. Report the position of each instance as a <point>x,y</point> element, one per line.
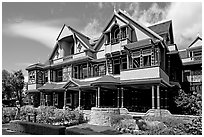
<point>130,66</point>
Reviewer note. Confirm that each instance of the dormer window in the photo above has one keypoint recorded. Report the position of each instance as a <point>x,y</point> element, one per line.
<point>115,34</point>
<point>123,33</point>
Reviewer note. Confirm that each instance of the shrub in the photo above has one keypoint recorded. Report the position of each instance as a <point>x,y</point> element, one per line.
<point>195,127</point>
<point>8,113</point>
<point>116,119</point>
<point>45,114</point>
<point>24,110</point>
<point>191,104</point>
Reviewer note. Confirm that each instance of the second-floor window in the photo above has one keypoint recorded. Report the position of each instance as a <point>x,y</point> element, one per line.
<point>46,76</point>
<point>32,76</point>
<point>75,73</point>
<point>59,75</point>
<point>147,60</point>
<point>116,66</point>
<point>84,71</point>
<point>115,34</point>
<point>101,69</point>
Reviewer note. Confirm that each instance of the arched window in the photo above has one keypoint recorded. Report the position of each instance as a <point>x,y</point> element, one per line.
<point>115,33</point>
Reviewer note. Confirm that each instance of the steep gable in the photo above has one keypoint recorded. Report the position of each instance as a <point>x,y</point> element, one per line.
<point>196,43</point>
<point>141,31</point>
<point>80,42</point>
<point>140,26</point>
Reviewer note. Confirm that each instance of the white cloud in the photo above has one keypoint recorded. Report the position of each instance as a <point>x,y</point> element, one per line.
<point>187,22</point>
<point>42,32</point>
<point>186,18</point>
<point>92,29</point>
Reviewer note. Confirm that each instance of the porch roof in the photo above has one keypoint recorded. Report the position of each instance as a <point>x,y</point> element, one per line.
<point>32,91</point>
<point>52,86</point>
<point>106,79</point>
<point>146,82</point>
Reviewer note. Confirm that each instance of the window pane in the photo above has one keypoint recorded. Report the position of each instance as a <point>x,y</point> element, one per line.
<point>147,60</point>
<point>136,62</point>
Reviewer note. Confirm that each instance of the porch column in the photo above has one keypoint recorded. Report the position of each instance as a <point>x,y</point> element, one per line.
<point>122,97</point>
<point>53,98</point>
<point>107,66</point>
<point>65,97</point>
<point>98,96</point>
<point>87,69</point>
<point>158,97</point>
<point>79,98</point>
<point>128,65</point>
<point>166,104</point>
<point>153,105</point>
<point>41,98</point>
<point>118,97</point>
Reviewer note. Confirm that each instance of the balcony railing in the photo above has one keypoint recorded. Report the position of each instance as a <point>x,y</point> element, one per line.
<point>192,59</point>
<point>144,73</point>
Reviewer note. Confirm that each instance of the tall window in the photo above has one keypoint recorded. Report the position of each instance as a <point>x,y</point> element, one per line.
<point>32,76</point>
<point>108,38</point>
<point>101,69</point>
<point>115,34</point>
<point>46,76</point>
<point>59,75</point>
<point>116,66</point>
<point>136,62</point>
<point>95,70</point>
<point>146,57</point>
<point>136,59</point>
<point>147,60</point>
<point>124,62</point>
<point>123,33</point>
<point>76,74</point>
<point>84,71</point>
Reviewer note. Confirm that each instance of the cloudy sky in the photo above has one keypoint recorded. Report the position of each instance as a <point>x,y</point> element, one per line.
<point>29,30</point>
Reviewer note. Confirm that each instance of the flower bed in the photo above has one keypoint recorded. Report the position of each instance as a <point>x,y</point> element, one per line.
<point>8,114</point>
<point>45,114</point>
<point>159,126</point>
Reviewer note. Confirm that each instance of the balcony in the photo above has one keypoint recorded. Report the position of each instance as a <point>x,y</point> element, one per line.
<point>144,73</point>
<point>192,60</point>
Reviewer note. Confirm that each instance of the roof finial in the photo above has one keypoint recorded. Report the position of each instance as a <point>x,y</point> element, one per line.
<point>198,35</point>
<point>114,8</point>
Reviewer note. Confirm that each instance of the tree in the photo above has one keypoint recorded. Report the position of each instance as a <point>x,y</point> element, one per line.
<point>6,85</point>
<point>17,82</point>
<point>12,85</point>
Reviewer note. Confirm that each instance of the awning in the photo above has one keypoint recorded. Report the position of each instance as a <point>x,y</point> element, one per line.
<point>52,86</point>
<point>106,80</point>
<point>32,91</point>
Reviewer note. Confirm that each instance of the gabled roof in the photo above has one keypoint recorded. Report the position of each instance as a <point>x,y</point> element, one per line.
<point>134,22</point>
<point>84,39</point>
<point>114,15</point>
<point>140,43</point>
<point>35,66</point>
<point>197,38</point>
<point>106,79</point>
<point>161,27</point>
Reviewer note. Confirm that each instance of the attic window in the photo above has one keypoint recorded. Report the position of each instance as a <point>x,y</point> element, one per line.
<point>115,34</point>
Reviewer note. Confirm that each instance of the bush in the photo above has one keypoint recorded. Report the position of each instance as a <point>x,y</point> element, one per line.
<point>8,114</point>
<point>191,104</point>
<point>52,115</point>
<point>24,110</point>
<point>45,114</point>
<point>116,119</point>
<point>195,128</point>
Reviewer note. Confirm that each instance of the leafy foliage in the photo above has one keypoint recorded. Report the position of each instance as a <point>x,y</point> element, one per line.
<point>191,104</point>
<point>12,85</point>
